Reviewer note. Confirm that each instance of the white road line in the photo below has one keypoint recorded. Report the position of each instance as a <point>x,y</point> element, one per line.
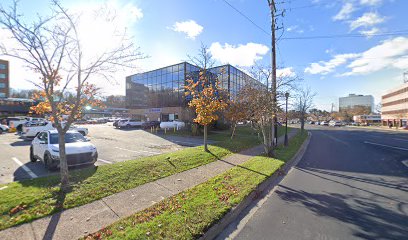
<point>25,168</point>
<point>382,145</point>
<point>105,161</point>
<point>405,162</point>
<point>139,151</point>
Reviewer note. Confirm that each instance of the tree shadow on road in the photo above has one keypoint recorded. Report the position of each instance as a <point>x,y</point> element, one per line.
<point>402,185</point>
<point>372,220</point>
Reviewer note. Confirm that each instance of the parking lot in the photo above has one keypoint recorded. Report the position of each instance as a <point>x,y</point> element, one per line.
<point>114,145</point>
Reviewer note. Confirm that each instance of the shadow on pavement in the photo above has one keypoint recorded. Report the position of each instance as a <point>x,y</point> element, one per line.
<point>372,220</point>
<point>48,178</point>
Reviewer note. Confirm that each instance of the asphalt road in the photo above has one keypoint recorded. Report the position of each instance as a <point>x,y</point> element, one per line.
<point>114,145</point>
<point>350,184</point>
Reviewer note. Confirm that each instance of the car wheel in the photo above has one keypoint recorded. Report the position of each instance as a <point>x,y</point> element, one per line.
<point>32,157</point>
<point>48,163</point>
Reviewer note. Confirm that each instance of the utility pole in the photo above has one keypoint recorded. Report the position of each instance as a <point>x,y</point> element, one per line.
<point>332,106</point>
<point>272,8</point>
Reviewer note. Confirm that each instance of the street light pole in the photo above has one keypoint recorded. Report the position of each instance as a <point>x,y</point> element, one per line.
<point>286,116</point>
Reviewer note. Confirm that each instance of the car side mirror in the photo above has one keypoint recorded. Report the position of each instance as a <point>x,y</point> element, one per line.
<point>87,140</point>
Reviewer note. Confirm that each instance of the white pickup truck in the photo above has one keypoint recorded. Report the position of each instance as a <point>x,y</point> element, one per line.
<point>31,130</point>
<point>129,123</point>
<point>18,122</point>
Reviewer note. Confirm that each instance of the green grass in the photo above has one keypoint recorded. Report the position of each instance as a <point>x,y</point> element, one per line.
<point>28,200</point>
<point>190,213</point>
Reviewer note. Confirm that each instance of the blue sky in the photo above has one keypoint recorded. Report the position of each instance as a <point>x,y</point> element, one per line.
<point>167,31</point>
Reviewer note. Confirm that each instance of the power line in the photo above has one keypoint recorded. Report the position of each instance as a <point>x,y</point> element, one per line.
<point>403,32</point>
<point>246,17</point>
<point>394,33</point>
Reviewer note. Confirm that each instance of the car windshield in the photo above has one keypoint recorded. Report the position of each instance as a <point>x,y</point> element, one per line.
<point>69,138</point>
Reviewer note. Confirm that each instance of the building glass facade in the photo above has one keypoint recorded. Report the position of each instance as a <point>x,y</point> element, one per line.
<point>164,87</point>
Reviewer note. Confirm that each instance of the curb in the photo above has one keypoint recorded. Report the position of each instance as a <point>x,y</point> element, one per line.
<point>250,201</point>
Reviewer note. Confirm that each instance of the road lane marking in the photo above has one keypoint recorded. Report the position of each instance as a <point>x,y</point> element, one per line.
<point>105,161</point>
<point>405,162</point>
<point>25,168</point>
<point>139,151</point>
<point>382,145</point>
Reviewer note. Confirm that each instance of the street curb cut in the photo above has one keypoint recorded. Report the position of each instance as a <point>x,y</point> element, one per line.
<point>256,195</point>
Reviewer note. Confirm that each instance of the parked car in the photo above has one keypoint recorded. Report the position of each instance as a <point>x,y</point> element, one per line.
<point>324,123</point>
<point>317,123</point>
<point>79,150</point>
<point>31,130</point>
<point>149,124</point>
<point>129,123</point>
<point>335,123</point>
<point>81,121</point>
<point>172,124</point>
<point>311,122</point>
<point>3,128</point>
<point>16,122</point>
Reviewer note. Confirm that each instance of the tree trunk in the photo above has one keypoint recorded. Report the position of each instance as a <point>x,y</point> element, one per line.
<point>63,161</point>
<point>234,125</point>
<point>267,140</point>
<point>302,123</point>
<point>205,138</point>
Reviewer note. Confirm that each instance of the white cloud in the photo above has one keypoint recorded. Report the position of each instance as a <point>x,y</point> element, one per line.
<point>190,27</point>
<point>291,28</point>
<point>370,2</point>
<point>371,32</point>
<point>367,20</point>
<point>345,12</point>
<point>391,53</point>
<point>285,72</point>
<point>240,55</point>
<point>325,67</point>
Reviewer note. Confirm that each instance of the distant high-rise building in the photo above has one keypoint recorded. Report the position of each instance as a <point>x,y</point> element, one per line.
<point>4,79</point>
<point>353,101</point>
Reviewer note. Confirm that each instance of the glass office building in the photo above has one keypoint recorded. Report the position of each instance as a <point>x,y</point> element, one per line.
<point>164,88</point>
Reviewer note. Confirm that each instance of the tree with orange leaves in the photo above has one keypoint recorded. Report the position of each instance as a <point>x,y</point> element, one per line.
<point>206,99</point>
<point>52,48</point>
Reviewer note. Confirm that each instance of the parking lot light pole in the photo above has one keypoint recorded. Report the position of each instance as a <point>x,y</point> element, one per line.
<point>286,116</point>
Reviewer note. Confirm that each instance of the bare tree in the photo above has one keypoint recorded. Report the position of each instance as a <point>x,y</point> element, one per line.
<point>51,47</point>
<point>284,83</point>
<point>255,101</point>
<point>203,59</point>
<point>303,103</point>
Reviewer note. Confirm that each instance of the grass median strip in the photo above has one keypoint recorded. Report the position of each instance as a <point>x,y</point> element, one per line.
<point>190,213</point>
<point>27,200</point>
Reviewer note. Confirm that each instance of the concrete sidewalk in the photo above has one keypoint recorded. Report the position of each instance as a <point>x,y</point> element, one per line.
<point>80,221</point>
